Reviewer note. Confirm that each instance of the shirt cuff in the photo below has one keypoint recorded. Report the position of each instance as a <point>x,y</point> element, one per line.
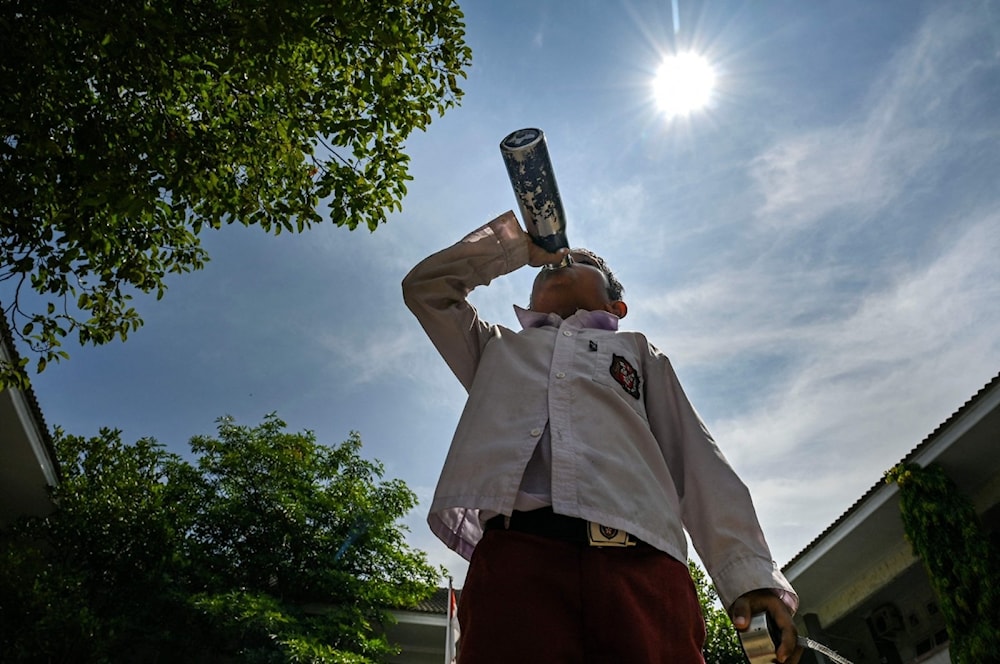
<point>744,575</point>
<point>508,232</point>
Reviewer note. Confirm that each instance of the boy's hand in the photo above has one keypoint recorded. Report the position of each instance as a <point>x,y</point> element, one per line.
<point>756,601</point>
<point>537,257</point>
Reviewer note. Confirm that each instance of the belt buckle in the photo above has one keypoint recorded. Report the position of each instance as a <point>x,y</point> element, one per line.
<point>599,535</point>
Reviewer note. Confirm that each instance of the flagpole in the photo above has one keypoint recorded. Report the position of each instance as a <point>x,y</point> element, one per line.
<point>449,641</point>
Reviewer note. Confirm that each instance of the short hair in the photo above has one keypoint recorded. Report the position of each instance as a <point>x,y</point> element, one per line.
<point>615,288</point>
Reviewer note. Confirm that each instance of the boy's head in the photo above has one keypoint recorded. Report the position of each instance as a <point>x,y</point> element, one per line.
<point>586,283</point>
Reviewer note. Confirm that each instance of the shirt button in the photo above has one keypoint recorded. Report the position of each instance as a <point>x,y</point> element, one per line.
<point>536,432</point>
<point>567,333</point>
<point>561,374</point>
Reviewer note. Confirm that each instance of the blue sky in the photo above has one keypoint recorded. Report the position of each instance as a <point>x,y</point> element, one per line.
<point>816,250</point>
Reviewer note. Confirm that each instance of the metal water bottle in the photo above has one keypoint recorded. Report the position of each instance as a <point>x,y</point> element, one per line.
<point>529,168</point>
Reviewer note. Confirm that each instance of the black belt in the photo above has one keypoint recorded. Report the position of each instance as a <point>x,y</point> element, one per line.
<point>546,523</point>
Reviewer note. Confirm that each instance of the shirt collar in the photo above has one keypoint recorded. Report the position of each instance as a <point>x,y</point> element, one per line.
<point>600,320</point>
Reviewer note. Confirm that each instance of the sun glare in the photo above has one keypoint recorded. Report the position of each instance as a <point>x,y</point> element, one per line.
<point>683,83</point>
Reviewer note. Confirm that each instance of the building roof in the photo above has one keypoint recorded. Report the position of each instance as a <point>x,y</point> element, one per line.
<point>436,603</point>
<point>7,339</point>
<point>23,401</point>
<point>915,452</point>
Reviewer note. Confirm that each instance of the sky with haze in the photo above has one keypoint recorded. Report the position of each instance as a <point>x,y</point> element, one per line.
<point>817,250</point>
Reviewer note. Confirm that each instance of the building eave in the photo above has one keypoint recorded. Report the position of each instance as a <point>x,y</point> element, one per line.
<point>927,451</point>
<point>866,546</point>
<point>28,463</point>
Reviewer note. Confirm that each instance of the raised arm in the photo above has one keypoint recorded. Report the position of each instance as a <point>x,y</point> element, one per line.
<point>436,290</point>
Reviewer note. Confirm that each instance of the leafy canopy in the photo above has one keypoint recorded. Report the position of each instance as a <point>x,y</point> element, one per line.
<point>722,644</point>
<point>128,127</point>
<point>269,547</point>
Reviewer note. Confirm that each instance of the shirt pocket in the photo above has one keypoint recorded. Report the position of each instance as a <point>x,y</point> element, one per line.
<point>619,370</point>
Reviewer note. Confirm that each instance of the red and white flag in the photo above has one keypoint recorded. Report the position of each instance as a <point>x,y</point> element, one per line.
<point>452,630</point>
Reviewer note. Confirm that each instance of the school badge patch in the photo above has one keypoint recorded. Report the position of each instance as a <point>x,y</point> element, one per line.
<point>625,374</point>
<point>606,536</point>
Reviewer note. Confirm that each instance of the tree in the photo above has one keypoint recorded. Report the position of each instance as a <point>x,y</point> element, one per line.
<point>129,127</point>
<point>270,547</point>
<point>722,645</point>
<point>98,566</point>
<point>961,562</point>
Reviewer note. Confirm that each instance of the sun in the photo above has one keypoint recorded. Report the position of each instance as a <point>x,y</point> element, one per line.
<point>683,83</point>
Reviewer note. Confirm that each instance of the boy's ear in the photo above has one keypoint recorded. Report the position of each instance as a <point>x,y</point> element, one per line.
<point>618,308</point>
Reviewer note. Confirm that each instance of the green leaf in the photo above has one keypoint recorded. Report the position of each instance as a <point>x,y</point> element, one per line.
<point>157,123</point>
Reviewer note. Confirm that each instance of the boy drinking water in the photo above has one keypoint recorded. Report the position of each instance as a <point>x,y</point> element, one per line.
<point>575,468</point>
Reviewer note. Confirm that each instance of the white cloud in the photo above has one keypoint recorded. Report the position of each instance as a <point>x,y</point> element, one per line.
<point>855,169</point>
<point>921,81</point>
<point>740,310</point>
<point>862,165</point>
<point>894,335</point>
<point>397,354</point>
<point>872,385</point>
<point>374,353</point>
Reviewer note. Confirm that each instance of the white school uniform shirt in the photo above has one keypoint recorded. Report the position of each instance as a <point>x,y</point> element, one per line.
<point>624,448</point>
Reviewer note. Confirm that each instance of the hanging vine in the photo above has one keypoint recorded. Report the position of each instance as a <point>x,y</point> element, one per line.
<point>963,566</point>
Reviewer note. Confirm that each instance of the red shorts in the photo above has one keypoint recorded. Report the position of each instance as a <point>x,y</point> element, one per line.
<point>530,598</point>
